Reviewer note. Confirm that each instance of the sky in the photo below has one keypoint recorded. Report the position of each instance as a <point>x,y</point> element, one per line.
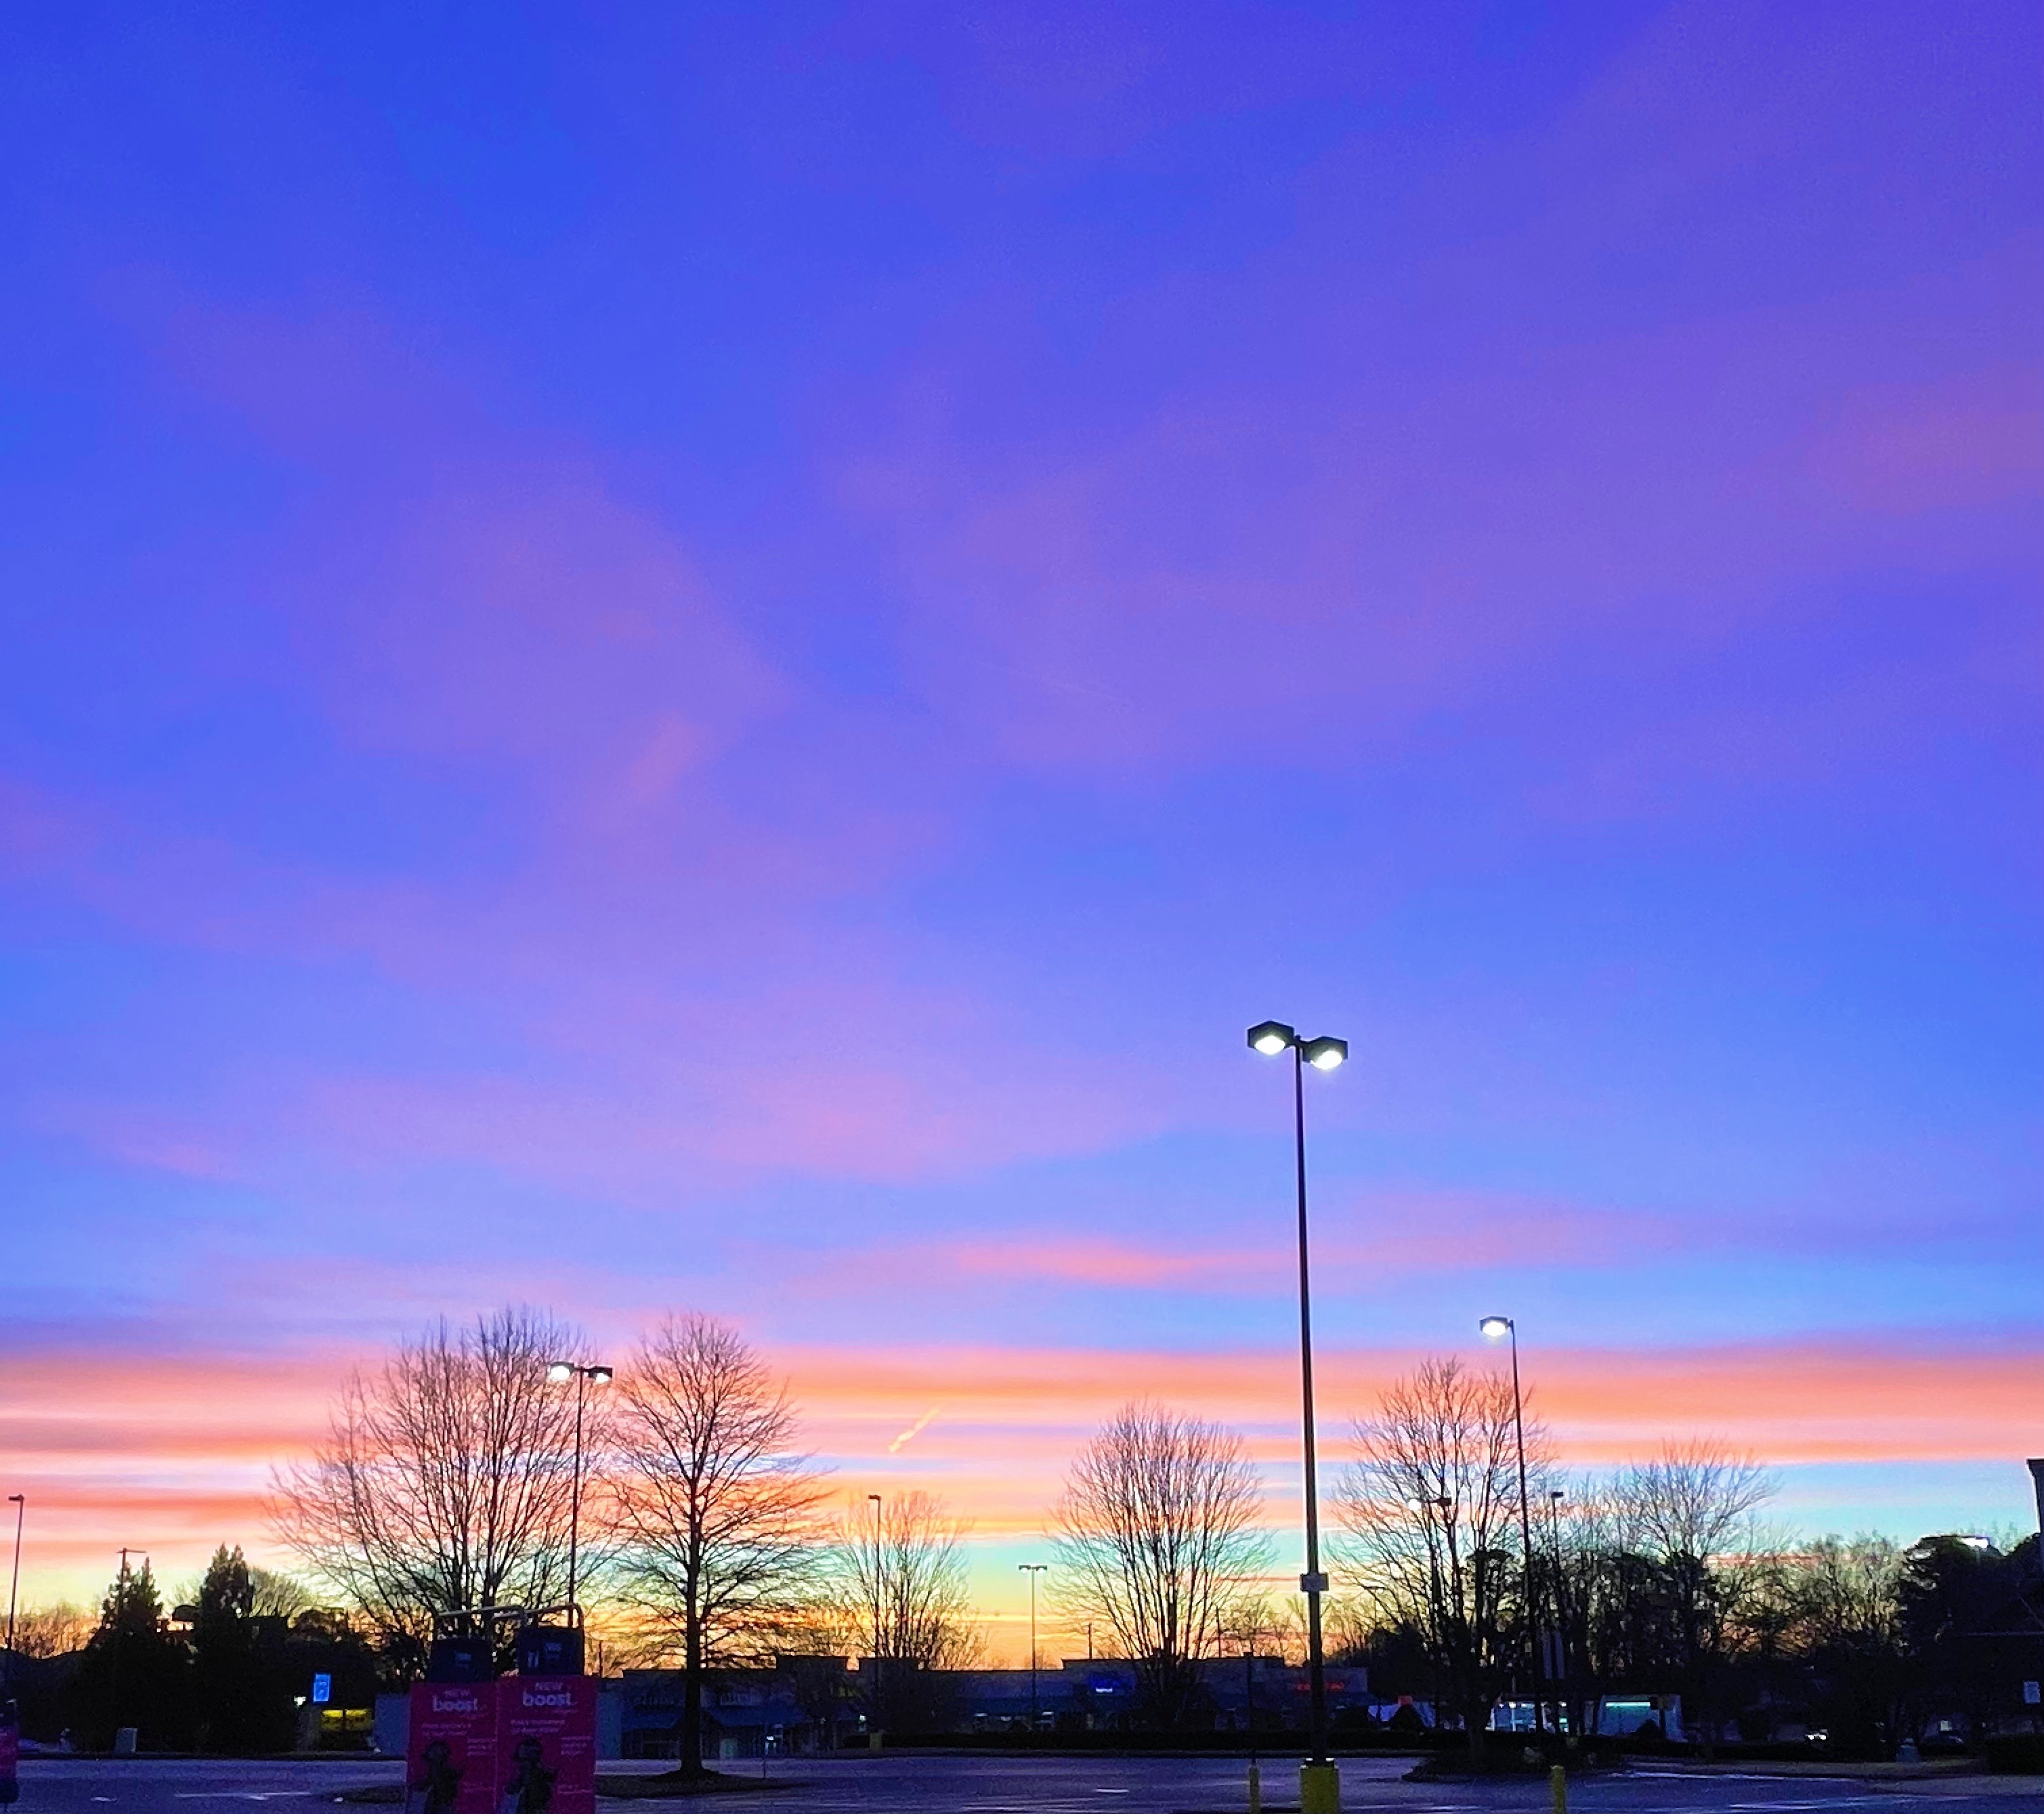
<point>708,657</point>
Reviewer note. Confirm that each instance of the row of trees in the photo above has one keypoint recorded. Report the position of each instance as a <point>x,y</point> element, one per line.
<point>707,1536</point>
<point>710,1539</point>
<point>223,1671</point>
<point>1661,1578</point>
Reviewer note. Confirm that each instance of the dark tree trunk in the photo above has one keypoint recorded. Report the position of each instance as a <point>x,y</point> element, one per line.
<point>692,1688</point>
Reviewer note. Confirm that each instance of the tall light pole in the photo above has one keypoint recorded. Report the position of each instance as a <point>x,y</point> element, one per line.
<point>1496,1328</point>
<point>1032,1569</point>
<point>1320,1789</point>
<point>20,1502</point>
<point>560,1372</point>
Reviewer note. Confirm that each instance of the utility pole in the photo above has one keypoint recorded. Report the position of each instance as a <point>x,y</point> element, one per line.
<point>19,1503</point>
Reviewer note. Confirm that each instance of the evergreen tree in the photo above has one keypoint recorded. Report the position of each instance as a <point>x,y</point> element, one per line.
<point>240,1692</point>
<point>135,1669</point>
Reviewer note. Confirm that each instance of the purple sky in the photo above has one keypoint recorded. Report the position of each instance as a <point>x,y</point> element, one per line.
<point>709,656</point>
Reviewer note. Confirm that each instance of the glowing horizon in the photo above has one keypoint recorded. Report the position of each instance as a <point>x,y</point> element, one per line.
<point>997,1428</point>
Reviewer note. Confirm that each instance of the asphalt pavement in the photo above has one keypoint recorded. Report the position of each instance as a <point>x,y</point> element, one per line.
<point>921,1783</point>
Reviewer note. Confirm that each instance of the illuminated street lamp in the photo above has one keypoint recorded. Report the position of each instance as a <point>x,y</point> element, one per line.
<point>559,1373</point>
<point>1497,1329</point>
<point>1319,1786</point>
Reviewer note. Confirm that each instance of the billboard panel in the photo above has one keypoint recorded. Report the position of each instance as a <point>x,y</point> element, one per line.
<point>451,1752</point>
<point>546,1738</point>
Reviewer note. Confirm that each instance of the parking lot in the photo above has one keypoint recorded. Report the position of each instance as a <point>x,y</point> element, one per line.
<point>926,1784</point>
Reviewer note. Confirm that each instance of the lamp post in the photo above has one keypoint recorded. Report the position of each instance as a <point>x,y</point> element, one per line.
<point>20,1502</point>
<point>1437,1608</point>
<point>1032,1569</point>
<point>1455,1626</point>
<point>878,1565</point>
<point>559,1373</point>
<point>1496,1328</point>
<point>1563,1710</point>
<point>1320,1790</point>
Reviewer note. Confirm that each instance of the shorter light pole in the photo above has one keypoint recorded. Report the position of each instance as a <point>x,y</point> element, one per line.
<point>1563,1710</point>
<point>879,1567</point>
<point>559,1373</point>
<point>20,1502</point>
<point>1032,1569</point>
<point>1438,1609</point>
<point>1495,1328</point>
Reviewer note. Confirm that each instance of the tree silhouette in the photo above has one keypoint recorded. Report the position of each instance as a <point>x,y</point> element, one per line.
<point>135,1672</point>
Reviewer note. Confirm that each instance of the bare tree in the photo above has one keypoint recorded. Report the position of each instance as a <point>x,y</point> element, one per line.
<point>1431,1510</point>
<point>1689,1511</point>
<point>279,1595</point>
<point>53,1631</point>
<point>1156,1537</point>
<point>714,1511</point>
<point>444,1480</point>
<point>1851,1593</point>
<point>901,1596</point>
<point>1693,1498</point>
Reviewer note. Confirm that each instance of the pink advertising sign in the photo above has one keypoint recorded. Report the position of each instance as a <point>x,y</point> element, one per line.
<point>546,1740</point>
<point>450,1756</point>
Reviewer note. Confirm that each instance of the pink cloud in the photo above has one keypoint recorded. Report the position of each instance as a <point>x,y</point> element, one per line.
<point>1964,443</point>
<point>1411,1233</point>
<point>674,824</point>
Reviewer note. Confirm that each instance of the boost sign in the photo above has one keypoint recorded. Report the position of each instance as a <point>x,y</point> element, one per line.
<point>450,1756</point>
<point>546,1740</point>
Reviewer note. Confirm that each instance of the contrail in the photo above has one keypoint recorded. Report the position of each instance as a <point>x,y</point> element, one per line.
<point>916,1428</point>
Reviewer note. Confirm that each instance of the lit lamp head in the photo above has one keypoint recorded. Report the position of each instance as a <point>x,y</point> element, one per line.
<point>559,1373</point>
<point>599,1376</point>
<point>1271,1037</point>
<point>1496,1328</point>
<point>1324,1054</point>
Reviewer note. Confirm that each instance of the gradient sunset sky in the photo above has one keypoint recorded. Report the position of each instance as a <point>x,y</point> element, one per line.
<point>709,656</point>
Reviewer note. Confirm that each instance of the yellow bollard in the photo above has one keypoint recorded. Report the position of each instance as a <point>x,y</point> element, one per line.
<point>1557,1789</point>
<point>1319,1789</point>
<point>1256,1790</point>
